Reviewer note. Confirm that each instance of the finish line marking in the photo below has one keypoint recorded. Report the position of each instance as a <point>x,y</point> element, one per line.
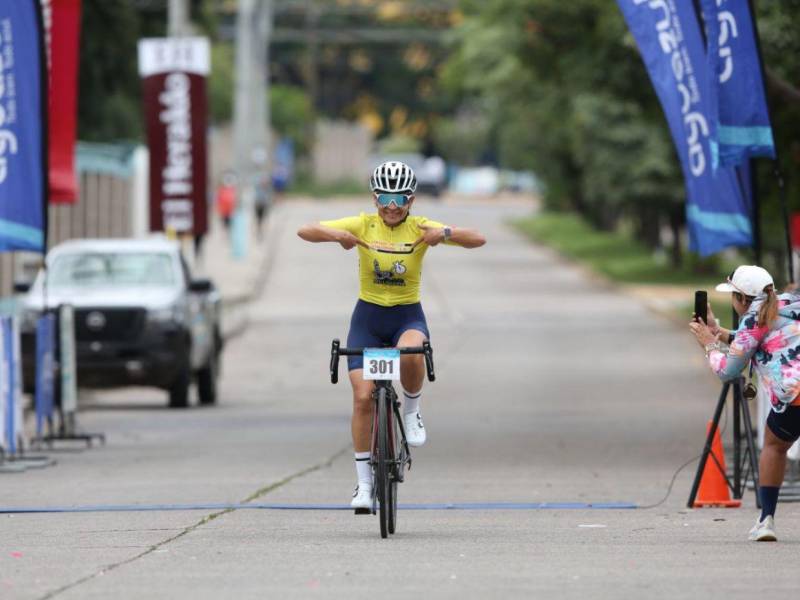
<point>278,506</point>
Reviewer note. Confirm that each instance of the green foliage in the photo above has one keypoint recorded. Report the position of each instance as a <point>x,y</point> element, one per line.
<point>563,100</point>
<point>221,83</point>
<point>399,144</point>
<point>109,87</point>
<point>304,185</point>
<point>109,98</point>
<point>463,138</point>
<point>292,115</point>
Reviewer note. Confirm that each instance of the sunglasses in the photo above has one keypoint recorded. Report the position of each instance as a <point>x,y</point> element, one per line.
<point>400,200</point>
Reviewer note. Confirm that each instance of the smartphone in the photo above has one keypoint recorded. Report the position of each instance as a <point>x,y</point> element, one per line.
<point>701,305</point>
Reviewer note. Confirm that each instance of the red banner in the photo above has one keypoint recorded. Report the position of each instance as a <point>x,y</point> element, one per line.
<point>176,113</point>
<point>62,22</point>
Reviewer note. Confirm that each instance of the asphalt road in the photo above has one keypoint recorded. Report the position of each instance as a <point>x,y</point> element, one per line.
<point>552,387</point>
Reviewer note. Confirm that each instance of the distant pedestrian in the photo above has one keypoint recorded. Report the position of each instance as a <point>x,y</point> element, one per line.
<point>768,340</point>
<point>262,205</point>
<point>199,238</point>
<point>226,199</point>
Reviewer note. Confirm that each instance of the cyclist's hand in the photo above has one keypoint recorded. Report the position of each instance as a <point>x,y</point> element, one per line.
<point>348,241</point>
<point>431,235</point>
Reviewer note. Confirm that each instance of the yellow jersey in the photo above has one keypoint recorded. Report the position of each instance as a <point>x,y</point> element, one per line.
<point>387,279</point>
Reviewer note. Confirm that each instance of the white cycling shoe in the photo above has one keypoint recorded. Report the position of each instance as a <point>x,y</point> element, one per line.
<point>415,429</point>
<point>362,500</point>
<point>764,531</point>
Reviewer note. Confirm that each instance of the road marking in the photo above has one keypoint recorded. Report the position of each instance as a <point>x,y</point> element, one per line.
<point>321,507</point>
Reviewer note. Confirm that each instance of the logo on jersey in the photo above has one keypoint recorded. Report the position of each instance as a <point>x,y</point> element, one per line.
<point>389,277</point>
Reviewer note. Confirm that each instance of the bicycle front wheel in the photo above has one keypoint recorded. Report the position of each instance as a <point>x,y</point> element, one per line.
<point>383,463</point>
<point>394,449</point>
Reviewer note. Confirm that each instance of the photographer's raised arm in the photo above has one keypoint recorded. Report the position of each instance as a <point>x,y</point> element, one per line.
<point>743,347</point>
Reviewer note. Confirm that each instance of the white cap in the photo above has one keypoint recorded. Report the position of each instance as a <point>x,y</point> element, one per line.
<point>749,280</point>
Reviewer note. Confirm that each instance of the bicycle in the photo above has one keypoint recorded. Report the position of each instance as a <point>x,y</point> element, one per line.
<point>389,453</point>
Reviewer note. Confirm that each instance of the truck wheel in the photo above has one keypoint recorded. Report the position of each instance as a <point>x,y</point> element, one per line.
<point>179,390</point>
<point>207,381</point>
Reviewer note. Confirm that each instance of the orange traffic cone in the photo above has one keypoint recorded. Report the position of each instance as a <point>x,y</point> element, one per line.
<point>713,485</point>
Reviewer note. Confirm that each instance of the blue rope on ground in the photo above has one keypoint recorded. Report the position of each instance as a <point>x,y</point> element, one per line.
<point>279,506</point>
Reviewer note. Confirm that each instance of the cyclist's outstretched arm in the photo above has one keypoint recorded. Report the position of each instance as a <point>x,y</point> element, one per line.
<point>316,232</point>
<point>467,238</point>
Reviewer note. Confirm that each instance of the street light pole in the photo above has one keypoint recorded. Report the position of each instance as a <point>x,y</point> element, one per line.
<point>177,18</point>
<point>250,116</point>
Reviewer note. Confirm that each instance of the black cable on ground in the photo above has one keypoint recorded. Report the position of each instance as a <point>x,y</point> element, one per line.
<point>671,483</point>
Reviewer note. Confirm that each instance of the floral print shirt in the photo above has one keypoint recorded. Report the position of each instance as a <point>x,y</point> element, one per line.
<point>774,351</point>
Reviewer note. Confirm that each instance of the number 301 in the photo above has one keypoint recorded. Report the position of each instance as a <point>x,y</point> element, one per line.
<point>381,366</point>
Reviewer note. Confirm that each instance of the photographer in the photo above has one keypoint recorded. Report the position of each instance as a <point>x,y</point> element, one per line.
<point>768,339</point>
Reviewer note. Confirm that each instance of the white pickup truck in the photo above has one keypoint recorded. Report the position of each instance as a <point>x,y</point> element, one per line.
<point>140,318</point>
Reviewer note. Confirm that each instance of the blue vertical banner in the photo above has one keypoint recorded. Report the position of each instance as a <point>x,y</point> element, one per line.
<point>4,381</point>
<point>740,125</point>
<point>9,385</point>
<point>669,38</point>
<point>23,127</point>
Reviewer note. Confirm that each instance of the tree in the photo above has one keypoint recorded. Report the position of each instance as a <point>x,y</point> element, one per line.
<point>567,96</point>
<point>109,97</point>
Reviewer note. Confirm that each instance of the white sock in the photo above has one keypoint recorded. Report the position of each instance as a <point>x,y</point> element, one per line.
<point>411,402</point>
<point>363,469</point>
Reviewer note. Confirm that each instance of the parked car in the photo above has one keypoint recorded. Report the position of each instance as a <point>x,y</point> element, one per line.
<point>140,318</point>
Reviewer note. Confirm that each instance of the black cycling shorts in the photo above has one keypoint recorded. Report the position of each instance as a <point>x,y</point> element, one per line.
<point>375,326</point>
<point>785,425</point>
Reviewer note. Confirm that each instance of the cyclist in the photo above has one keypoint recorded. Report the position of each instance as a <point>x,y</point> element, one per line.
<point>388,311</point>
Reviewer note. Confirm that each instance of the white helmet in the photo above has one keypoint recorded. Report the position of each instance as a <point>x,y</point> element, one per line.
<point>393,177</point>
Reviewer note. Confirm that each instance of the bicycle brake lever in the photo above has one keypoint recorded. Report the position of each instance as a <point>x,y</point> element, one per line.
<point>429,360</point>
<point>335,361</point>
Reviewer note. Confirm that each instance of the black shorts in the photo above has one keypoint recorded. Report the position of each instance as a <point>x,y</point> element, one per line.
<point>785,425</point>
<point>374,326</point>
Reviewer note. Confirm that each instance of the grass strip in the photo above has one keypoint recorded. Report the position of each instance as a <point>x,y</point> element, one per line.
<point>616,255</point>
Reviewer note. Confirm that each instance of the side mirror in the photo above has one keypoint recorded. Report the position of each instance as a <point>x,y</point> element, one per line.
<point>22,287</point>
<point>201,286</point>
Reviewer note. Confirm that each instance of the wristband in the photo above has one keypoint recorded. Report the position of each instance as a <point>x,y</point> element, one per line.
<point>710,347</point>
<point>448,233</point>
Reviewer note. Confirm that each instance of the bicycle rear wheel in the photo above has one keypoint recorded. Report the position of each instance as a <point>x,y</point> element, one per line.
<point>383,464</point>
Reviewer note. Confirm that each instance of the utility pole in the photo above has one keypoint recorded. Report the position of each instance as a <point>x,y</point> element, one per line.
<point>312,50</point>
<point>177,18</point>
<point>251,114</point>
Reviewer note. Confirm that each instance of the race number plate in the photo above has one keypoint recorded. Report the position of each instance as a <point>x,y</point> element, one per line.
<point>381,363</point>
